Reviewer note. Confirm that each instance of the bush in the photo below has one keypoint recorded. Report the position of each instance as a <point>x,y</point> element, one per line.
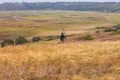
<point>87,37</point>
<point>36,39</point>
<point>21,40</point>
<point>117,27</point>
<point>100,27</point>
<point>7,42</point>
<point>2,44</point>
<point>114,29</point>
<point>108,30</point>
<point>49,38</point>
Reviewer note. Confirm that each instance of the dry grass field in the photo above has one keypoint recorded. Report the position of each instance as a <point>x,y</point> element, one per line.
<point>69,61</point>
<point>98,59</point>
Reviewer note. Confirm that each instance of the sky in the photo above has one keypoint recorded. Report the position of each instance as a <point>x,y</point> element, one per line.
<point>2,1</point>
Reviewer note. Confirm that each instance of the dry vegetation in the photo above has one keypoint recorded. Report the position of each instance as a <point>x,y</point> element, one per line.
<point>30,23</point>
<point>70,61</point>
<point>98,59</point>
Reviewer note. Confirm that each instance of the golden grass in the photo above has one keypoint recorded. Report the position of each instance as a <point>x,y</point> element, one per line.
<point>69,61</point>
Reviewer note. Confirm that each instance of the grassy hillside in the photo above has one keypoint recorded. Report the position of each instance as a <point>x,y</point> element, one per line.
<point>69,61</point>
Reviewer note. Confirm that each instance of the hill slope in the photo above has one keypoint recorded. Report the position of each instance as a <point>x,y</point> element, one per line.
<point>69,61</point>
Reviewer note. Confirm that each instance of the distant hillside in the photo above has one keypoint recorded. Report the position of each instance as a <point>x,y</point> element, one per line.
<point>77,6</point>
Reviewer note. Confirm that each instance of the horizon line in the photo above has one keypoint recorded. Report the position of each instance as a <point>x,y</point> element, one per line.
<point>63,1</point>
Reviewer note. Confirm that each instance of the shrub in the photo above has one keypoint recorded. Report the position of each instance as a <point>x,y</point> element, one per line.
<point>49,38</point>
<point>108,30</point>
<point>117,27</point>
<point>100,27</point>
<point>97,31</point>
<point>2,44</point>
<point>21,40</point>
<point>87,37</point>
<point>114,29</point>
<point>7,42</point>
<point>36,39</point>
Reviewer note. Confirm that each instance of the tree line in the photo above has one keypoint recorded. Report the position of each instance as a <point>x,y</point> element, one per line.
<point>77,6</point>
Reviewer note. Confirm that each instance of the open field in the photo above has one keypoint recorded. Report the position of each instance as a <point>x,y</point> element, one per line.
<point>30,23</point>
<point>77,59</point>
<point>38,61</point>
